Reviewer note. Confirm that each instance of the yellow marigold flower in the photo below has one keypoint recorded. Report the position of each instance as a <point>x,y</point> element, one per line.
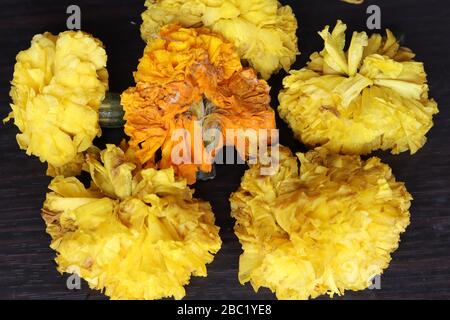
<point>188,77</point>
<point>329,228</point>
<point>263,31</point>
<point>58,86</point>
<point>134,234</point>
<point>372,96</point>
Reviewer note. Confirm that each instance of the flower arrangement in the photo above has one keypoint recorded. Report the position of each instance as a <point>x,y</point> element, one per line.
<point>323,222</point>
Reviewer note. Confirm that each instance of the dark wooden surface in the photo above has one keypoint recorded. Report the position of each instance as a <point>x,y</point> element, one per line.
<point>421,266</point>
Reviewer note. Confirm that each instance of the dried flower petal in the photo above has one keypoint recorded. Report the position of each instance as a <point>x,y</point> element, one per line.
<point>353,1</point>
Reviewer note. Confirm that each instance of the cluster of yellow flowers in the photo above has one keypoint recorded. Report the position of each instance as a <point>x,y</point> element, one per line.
<point>332,225</point>
<point>137,232</point>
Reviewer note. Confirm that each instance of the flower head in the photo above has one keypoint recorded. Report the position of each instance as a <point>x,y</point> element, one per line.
<point>134,234</point>
<point>191,78</point>
<point>263,31</point>
<point>372,96</point>
<point>327,228</point>
<point>58,86</point>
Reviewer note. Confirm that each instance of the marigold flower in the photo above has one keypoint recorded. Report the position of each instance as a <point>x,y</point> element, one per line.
<point>372,96</point>
<point>190,77</point>
<point>58,86</point>
<point>329,228</point>
<point>263,31</point>
<point>134,234</point>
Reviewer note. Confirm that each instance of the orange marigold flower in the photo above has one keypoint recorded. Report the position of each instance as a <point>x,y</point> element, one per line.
<point>188,77</point>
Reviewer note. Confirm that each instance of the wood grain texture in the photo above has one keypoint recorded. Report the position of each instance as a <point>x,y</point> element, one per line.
<point>421,266</point>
